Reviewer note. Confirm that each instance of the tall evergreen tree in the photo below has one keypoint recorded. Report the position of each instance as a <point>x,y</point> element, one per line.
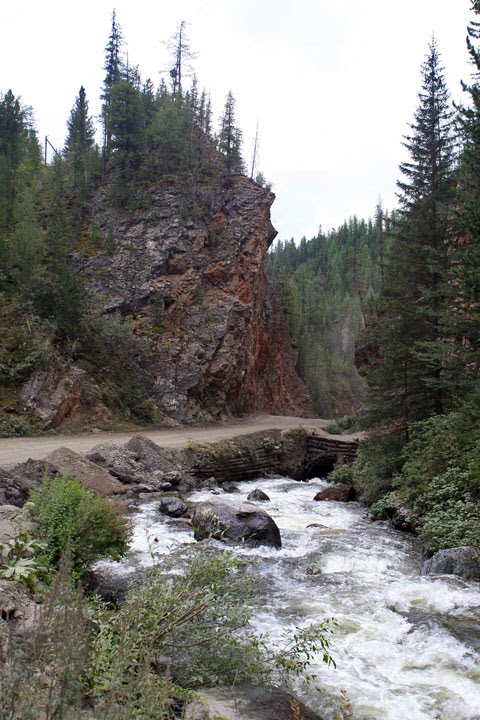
<point>114,72</point>
<point>19,171</point>
<point>13,132</point>
<point>126,123</point>
<point>230,138</point>
<point>467,249</point>
<point>413,324</point>
<point>79,145</point>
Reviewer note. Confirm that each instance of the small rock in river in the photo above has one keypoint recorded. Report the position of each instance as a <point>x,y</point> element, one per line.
<point>258,494</point>
<point>173,506</point>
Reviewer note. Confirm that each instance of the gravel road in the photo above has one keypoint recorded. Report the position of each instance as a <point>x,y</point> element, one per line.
<point>16,450</point>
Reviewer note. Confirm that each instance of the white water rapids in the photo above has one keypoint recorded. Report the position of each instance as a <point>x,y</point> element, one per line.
<point>407,647</point>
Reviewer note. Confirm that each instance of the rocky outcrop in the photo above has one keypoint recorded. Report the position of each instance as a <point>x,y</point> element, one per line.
<point>247,702</point>
<point>12,521</point>
<point>62,393</point>
<point>12,491</point>
<point>463,561</point>
<point>401,516</point>
<point>187,267</point>
<point>245,524</point>
<point>141,464</point>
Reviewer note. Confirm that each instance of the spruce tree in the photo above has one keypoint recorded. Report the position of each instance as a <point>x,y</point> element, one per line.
<point>114,72</point>
<point>13,133</point>
<point>467,248</point>
<point>413,324</point>
<point>230,138</point>
<point>79,146</point>
<point>127,135</point>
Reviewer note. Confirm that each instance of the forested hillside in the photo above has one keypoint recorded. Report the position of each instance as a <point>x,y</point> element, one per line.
<point>405,289</point>
<point>130,268</point>
<point>325,286</point>
<point>420,463</point>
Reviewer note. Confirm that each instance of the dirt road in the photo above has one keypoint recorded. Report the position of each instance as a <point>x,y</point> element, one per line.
<point>15,450</point>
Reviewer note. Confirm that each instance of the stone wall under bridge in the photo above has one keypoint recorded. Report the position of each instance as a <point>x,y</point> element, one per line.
<point>297,453</point>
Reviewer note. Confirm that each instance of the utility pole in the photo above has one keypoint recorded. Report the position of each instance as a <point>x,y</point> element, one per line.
<point>47,142</point>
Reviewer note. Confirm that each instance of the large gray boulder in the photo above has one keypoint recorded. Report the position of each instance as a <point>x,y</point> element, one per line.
<point>244,524</point>
<point>462,561</point>
<point>118,461</point>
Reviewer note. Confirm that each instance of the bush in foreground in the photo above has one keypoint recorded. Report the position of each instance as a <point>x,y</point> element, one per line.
<point>188,625</point>
<point>67,515</point>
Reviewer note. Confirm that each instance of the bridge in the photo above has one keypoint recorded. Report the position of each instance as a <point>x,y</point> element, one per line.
<point>298,453</point>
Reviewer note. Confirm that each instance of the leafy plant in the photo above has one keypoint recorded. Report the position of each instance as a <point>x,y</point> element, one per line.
<point>68,515</point>
<point>377,510</point>
<point>299,649</point>
<point>342,472</point>
<point>16,426</point>
<point>191,625</point>
<point>450,511</point>
<point>19,559</point>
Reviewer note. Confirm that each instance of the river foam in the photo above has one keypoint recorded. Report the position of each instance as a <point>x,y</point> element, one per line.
<point>398,653</point>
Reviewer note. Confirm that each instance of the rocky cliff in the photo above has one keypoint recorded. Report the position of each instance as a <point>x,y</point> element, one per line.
<point>186,264</point>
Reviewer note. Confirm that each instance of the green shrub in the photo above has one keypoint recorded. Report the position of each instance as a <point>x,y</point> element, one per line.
<point>16,426</point>
<point>378,461</point>
<point>377,510</point>
<point>192,626</point>
<point>68,515</point>
<point>438,443</point>
<point>342,472</point>
<point>188,624</point>
<point>450,511</point>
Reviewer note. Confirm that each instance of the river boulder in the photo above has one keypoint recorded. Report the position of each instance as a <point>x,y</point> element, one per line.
<point>173,506</point>
<point>401,516</point>
<point>258,494</point>
<point>462,561</point>
<point>244,524</point>
<point>341,492</point>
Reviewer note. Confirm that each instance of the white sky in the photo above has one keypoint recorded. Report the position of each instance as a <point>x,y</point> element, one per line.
<point>333,83</point>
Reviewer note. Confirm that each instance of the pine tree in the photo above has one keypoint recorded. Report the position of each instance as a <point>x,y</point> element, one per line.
<point>230,138</point>
<point>414,321</point>
<point>114,72</point>
<point>79,149</point>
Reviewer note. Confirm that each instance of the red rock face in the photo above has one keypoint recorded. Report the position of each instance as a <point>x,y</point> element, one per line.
<point>188,267</point>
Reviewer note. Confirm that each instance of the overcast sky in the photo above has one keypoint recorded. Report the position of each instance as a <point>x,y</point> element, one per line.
<point>332,83</point>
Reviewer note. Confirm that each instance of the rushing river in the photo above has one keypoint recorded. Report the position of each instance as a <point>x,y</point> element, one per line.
<point>407,647</point>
